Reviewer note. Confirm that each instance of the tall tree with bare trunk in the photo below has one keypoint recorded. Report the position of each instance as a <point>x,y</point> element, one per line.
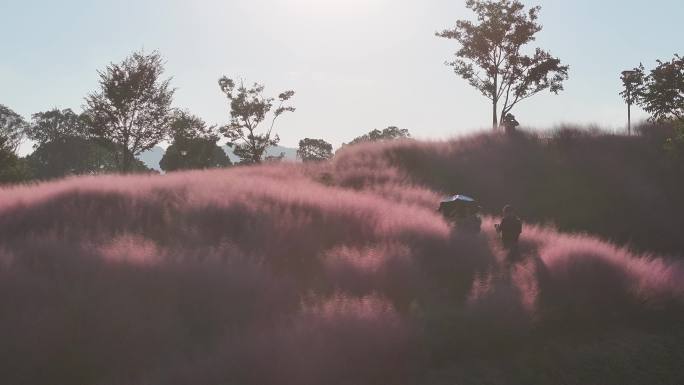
<point>249,108</point>
<point>491,56</point>
<point>133,106</point>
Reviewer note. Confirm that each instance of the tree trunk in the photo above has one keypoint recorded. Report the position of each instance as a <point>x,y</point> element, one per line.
<point>126,164</point>
<point>495,100</point>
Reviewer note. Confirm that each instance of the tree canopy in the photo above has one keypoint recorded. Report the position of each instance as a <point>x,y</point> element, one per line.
<point>12,128</point>
<point>133,106</point>
<point>56,124</point>
<point>75,155</point>
<point>249,108</point>
<point>192,154</point>
<point>314,150</point>
<point>491,55</point>
<point>661,91</point>
<point>186,125</point>
<point>194,145</point>
<point>12,168</point>
<point>389,133</point>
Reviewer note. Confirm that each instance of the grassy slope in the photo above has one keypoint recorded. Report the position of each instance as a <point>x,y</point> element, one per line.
<point>339,273</point>
<point>624,189</point>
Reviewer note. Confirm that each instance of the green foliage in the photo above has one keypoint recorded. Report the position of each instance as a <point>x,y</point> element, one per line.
<point>314,150</point>
<point>73,155</point>
<point>491,57</point>
<point>64,145</point>
<point>632,81</point>
<point>661,92</point>
<point>56,124</point>
<point>184,125</point>
<point>389,133</point>
<point>12,168</point>
<point>132,107</point>
<point>194,145</point>
<point>193,153</point>
<point>248,109</point>
<point>674,146</point>
<point>12,127</point>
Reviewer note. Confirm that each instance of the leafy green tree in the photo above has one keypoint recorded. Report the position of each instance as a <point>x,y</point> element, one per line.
<point>57,124</point>
<point>249,108</point>
<point>389,133</point>
<point>64,146</point>
<point>186,125</point>
<point>661,92</point>
<point>194,145</point>
<point>314,150</point>
<point>12,168</point>
<point>192,154</point>
<point>491,57</point>
<point>74,155</point>
<point>12,128</point>
<point>133,106</point>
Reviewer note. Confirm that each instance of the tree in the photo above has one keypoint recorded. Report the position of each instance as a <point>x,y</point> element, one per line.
<point>12,168</point>
<point>56,124</point>
<point>73,155</point>
<point>313,150</point>
<point>193,154</point>
<point>186,125</point>
<point>491,57</point>
<point>389,133</point>
<point>194,145</point>
<point>661,92</point>
<point>133,106</point>
<point>248,109</point>
<point>12,128</point>
<point>64,146</point>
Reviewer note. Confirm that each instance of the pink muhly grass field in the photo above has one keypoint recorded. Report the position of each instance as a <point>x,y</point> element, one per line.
<point>339,273</point>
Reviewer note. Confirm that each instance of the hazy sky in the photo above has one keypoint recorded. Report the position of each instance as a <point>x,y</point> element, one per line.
<point>355,64</point>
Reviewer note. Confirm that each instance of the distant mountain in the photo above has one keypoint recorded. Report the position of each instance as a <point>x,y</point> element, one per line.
<point>290,153</point>
<point>152,157</point>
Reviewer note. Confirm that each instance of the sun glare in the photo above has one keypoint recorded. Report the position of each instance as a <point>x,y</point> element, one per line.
<point>332,7</point>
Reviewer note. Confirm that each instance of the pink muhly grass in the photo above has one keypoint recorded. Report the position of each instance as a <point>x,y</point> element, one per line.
<point>290,274</point>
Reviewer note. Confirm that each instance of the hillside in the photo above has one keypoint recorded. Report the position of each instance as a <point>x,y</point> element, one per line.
<point>337,273</point>
<point>624,189</point>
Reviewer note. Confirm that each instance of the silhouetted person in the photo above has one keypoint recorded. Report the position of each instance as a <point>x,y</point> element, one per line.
<point>509,228</point>
<point>463,217</point>
<point>472,221</point>
<point>510,123</point>
<point>450,214</point>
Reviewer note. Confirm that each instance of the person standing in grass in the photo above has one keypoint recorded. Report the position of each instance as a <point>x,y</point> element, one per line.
<point>509,228</point>
<point>509,123</point>
<point>472,222</point>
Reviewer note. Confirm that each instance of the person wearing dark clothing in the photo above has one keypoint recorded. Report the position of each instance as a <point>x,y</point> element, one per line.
<point>472,222</point>
<point>509,228</point>
<point>466,218</point>
<point>510,123</point>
